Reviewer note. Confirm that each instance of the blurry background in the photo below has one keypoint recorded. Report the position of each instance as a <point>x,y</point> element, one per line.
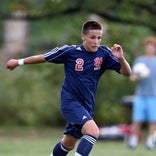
<point>30,95</point>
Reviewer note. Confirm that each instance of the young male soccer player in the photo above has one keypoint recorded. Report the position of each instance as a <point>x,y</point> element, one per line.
<point>83,65</point>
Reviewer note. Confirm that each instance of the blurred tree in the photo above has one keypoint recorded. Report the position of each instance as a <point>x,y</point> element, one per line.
<point>136,12</point>
<point>34,92</point>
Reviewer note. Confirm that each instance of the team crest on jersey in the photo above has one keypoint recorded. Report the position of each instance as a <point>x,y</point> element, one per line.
<point>97,63</point>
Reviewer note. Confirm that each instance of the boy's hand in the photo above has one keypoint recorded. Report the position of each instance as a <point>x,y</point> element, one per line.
<point>117,51</point>
<point>12,64</point>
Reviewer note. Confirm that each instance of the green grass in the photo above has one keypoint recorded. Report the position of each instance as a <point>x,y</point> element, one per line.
<point>39,142</point>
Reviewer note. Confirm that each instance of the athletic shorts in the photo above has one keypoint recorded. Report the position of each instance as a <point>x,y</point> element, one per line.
<point>73,130</point>
<point>75,114</point>
<point>144,109</point>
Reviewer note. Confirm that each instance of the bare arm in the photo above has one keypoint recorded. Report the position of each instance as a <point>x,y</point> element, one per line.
<point>125,67</point>
<point>118,52</point>
<point>135,78</point>
<point>13,63</point>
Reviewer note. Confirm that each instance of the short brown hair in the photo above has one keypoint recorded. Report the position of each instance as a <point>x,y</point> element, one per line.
<point>90,25</point>
<point>150,39</point>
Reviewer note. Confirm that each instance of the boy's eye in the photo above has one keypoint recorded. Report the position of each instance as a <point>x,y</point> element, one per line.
<point>93,37</point>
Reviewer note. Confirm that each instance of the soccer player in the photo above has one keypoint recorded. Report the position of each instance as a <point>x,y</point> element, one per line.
<point>83,64</point>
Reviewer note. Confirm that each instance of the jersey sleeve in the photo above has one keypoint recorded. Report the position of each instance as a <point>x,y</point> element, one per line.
<point>57,55</point>
<point>112,63</point>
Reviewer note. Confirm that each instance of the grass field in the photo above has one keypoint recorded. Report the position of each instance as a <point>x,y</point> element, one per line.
<point>39,142</point>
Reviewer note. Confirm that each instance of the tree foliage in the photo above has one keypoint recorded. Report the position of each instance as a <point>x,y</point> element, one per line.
<point>31,95</point>
<point>136,12</point>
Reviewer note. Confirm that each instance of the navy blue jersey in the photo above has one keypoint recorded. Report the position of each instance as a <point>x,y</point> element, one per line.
<point>82,72</point>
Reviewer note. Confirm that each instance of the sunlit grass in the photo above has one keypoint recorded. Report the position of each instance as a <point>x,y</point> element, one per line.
<point>39,142</point>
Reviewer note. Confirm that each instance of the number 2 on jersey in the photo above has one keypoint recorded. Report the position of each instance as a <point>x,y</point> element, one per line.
<point>79,64</point>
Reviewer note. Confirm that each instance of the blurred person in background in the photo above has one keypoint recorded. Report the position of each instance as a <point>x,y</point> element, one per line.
<point>144,104</point>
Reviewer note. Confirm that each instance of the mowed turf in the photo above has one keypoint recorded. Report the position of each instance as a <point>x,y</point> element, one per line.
<point>15,141</point>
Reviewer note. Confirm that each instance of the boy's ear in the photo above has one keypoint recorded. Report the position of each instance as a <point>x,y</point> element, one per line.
<point>83,36</point>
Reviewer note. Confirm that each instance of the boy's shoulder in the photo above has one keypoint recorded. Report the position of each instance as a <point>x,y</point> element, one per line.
<point>105,50</point>
<point>71,47</point>
<point>104,47</point>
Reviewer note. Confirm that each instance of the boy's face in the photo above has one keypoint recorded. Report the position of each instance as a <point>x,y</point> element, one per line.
<point>92,40</point>
<point>150,48</point>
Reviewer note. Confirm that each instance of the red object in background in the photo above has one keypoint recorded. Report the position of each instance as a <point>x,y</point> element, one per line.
<point>115,132</point>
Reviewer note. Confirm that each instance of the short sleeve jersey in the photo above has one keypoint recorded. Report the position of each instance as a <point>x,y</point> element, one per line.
<point>147,86</point>
<point>82,71</point>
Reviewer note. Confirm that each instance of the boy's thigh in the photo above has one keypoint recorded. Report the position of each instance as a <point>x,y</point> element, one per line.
<point>139,113</point>
<point>151,109</point>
